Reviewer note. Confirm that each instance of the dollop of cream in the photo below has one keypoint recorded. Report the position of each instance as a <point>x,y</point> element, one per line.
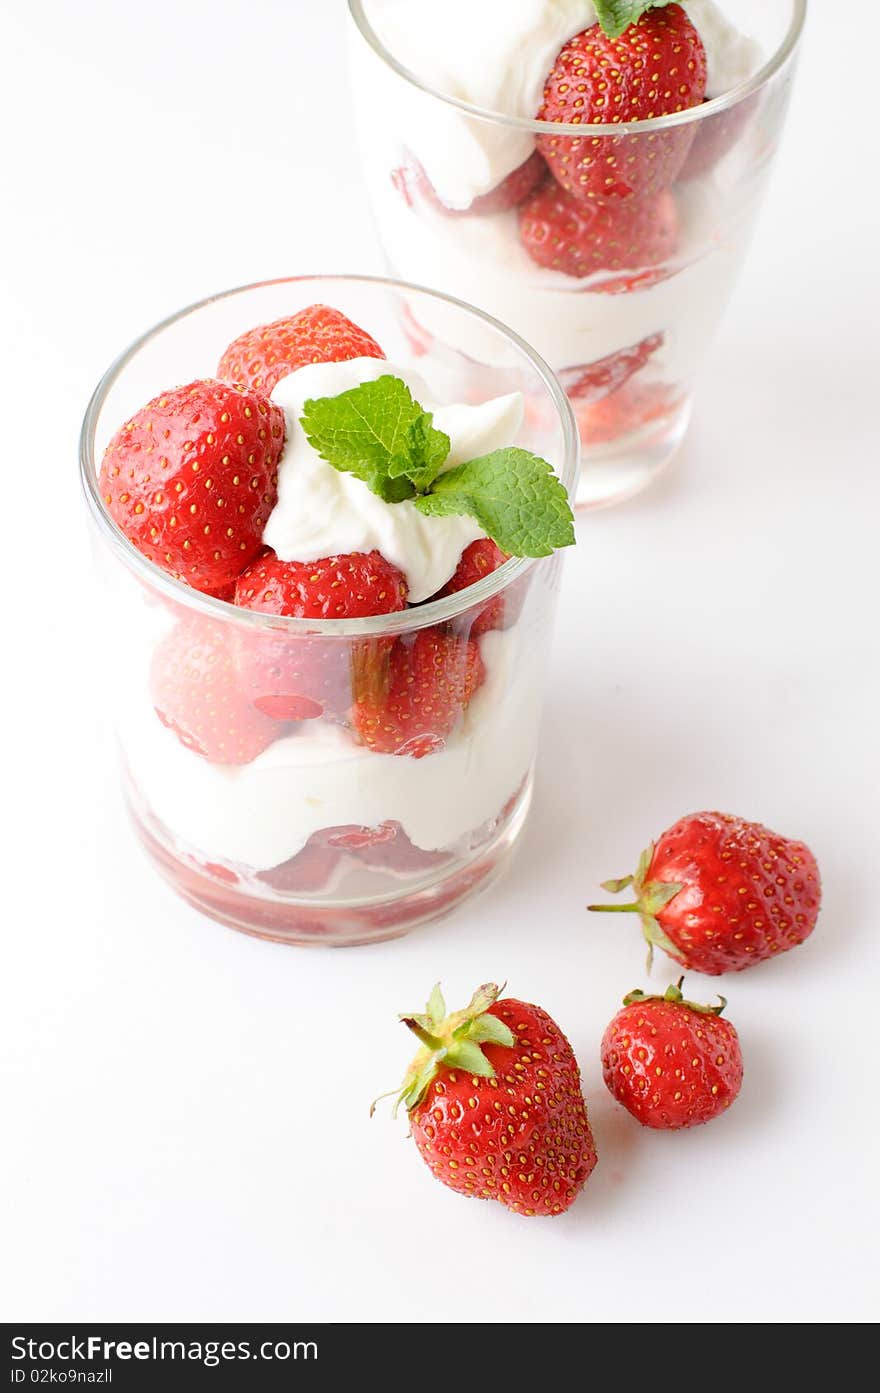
<point>324,512</point>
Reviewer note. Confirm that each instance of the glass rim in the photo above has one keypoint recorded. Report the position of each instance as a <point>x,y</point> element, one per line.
<point>703,112</point>
<point>402,621</point>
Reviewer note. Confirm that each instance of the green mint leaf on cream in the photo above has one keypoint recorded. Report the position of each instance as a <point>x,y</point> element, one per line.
<point>427,452</point>
<point>378,433</point>
<point>514,496</point>
<point>616,15</point>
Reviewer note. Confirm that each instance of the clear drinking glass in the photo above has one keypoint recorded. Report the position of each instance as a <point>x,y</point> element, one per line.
<point>317,839</point>
<point>627,340</point>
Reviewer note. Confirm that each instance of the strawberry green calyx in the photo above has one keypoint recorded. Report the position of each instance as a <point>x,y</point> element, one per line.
<point>673,994</point>
<point>452,1041</point>
<point>616,15</point>
<point>652,897</point>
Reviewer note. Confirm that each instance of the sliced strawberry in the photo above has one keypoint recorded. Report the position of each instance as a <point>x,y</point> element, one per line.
<point>195,694</point>
<point>656,66</point>
<point>479,560</point>
<point>412,183</point>
<point>296,677</point>
<point>581,239</point>
<point>430,681</point>
<point>191,480</point>
<point>633,407</point>
<point>328,853</point>
<point>593,381</point>
<point>261,357</point>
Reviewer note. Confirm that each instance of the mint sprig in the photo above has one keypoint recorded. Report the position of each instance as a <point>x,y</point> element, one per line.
<point>513,495</point>
<point>378,433</point>
<point>616,15</point>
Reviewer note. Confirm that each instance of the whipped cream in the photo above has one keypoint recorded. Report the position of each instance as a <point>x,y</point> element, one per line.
<point>259,814</point>
<point>323,512</point>
<point>496,54</point>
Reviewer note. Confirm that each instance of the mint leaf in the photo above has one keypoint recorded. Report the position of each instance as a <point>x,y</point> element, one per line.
<point>378,433</point>
<point>616,15</point>
<point>514,496</point>
<point>428,449</point>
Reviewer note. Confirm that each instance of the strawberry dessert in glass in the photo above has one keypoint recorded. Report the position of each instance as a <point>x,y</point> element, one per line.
<point>587,170</point>
<point>331,561</point>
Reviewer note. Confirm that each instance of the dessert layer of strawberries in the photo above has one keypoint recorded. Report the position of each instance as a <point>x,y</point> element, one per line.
<point>590,204</point>
<point>604,206</point>
<point>191,480</point>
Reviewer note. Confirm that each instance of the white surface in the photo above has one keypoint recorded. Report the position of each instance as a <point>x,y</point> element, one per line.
<point>185,1138</point>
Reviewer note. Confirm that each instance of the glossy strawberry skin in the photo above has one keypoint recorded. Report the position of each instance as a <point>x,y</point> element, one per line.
<point>580,239</point>
<point>479,560</point>
<point>355,586</point>
<point>522,1137</point>
<point>296,677</point>
<point>671,1066</point>
<point>412,183</point>
<point>194,689</point>
<point>259,358</point>
<point>429,682</point>
<point>656,67</point>
<point>748,893</point>
<point>191,480</point>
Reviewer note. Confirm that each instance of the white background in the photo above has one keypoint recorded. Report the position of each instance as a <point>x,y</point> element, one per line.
<point>186,1127</point>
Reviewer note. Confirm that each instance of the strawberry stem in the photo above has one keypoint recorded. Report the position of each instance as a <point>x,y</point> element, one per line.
<point>616,908</point>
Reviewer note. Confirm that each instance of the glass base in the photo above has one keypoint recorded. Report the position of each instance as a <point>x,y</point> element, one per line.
<point>614,471</point>
<point>322,921</point>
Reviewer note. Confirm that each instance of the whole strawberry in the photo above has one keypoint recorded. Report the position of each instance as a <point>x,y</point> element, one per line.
<point>719,894</point>
<point>259,358</point>
<point>562,233</point>
<point>411,707</point>
<point>191,480</point>
<point>495,1104</point>
<point>195,694</point>
<point>657,66</point>
<point>670,1062</point>
<point>295,677</point>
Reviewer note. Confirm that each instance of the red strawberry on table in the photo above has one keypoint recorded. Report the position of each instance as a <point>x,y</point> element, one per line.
<point>412,182</point>
<point>194,691</point>
<point>479,560</point>
<point>671,1062</point>
<point>495,1104</point>
<point>296,677</point>
<point>561,233</point>
<point>191,480</point>
<point>259,358</point>
<point>430,680</point>
<point>719,894</point>
<point>654,68</point>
